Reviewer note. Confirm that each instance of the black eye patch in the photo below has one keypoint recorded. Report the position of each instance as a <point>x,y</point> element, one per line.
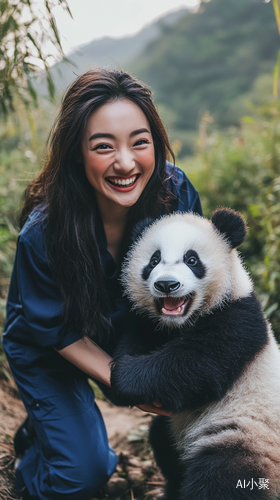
<point>192,260</point>
<point>154,261</point>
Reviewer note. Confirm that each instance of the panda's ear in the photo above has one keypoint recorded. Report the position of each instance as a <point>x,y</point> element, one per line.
<point>231,225</point>
<point>140,227</point>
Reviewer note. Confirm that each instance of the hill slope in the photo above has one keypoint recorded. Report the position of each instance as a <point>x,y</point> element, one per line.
<point>209,59</point>
<point>111,52</point>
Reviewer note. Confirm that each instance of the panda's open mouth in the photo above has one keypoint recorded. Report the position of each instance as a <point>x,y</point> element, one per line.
<point>175,306</point>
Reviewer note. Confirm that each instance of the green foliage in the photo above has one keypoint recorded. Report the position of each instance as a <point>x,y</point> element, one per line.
<point>20,158</point>
<point>240,169</point>
<point>24,34</point>
<point>209,60</point>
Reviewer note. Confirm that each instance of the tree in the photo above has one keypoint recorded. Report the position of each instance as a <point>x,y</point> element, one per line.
<point>24,37</point>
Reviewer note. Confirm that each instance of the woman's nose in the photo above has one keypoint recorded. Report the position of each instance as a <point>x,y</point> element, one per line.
<point>124,162</point>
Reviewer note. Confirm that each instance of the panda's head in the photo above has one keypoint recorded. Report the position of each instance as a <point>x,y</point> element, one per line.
<point>183,265</point>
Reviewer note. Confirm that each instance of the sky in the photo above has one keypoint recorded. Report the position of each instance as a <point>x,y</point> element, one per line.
<point>117,18</point>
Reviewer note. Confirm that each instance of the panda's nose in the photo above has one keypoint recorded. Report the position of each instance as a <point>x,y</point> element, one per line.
<point>167,286</point>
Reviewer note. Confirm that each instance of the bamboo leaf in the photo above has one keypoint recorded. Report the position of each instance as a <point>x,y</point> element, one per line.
<point>34,42</point>
<point>50,83</point>
<point>276,75</point>
<point>277,13</point>
<point>17,44</point>
<point>47,6</point>
<point>65,5</point>
<point>55,31</point>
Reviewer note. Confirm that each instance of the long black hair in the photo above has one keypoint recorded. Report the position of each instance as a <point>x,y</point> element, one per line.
<point>68,196</point>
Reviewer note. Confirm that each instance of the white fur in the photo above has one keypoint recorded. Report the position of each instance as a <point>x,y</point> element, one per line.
<point>174,235</point>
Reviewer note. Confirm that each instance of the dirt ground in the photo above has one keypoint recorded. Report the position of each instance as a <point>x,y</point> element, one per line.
<point>136,478</point>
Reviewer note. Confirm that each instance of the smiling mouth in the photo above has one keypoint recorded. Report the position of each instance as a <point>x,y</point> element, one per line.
<point>175,306</point>
<point>122,182</point>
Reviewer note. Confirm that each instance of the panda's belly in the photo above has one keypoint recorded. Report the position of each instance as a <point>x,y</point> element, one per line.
<point>249,413</point>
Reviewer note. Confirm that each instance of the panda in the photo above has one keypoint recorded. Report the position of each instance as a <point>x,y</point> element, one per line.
<point>208,355</point>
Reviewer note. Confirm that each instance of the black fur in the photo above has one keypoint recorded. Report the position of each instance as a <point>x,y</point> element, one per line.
<point>154,260</point>
<point>198,267</point>
<point>167,455</point>
<point>231,225</point>
<point>140,227</point>
<point>188,368</point>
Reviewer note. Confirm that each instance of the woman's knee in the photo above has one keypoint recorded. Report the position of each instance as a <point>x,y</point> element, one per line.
<point>80,479</point>
<point>78,455</point>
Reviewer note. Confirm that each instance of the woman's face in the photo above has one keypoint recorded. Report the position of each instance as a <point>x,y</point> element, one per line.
<point>118,153</point>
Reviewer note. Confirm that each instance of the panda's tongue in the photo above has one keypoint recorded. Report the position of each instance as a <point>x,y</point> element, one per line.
<point>171,303</point>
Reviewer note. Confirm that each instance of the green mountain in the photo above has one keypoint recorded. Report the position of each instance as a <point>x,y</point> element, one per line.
<point>111,52</point>
<point>210,61</point>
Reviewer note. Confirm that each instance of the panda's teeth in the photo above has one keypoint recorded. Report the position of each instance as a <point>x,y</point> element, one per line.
<point>166,311</point>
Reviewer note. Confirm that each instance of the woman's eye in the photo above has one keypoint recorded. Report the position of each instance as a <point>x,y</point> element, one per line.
<point>141,142</point>
<point>101,146</point>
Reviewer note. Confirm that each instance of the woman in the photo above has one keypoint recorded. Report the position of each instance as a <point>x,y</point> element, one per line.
<point>106,170</point>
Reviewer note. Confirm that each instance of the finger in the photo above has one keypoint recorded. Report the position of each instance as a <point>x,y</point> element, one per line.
<point>153,409</point>
<point>165,413</point>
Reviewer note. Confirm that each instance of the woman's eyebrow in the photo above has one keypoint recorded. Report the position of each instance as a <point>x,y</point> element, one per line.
<point>139,131</point>
<point>100,135</point>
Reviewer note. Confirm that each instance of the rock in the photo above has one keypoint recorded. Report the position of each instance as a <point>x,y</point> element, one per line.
<point>158,494</point>
<point>134,462</point>
<point>147,466</point>
<point>135,479</point>
<point>116,485</point>
<point>138,433</point>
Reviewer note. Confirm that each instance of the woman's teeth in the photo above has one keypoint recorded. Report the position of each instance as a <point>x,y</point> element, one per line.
<point>123,182</point>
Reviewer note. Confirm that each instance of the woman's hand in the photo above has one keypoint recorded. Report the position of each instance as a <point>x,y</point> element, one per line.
<point>154,408</point>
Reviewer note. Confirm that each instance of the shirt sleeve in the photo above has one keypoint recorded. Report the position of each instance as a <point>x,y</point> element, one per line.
<point>40,298</point>
<point>185,196</point>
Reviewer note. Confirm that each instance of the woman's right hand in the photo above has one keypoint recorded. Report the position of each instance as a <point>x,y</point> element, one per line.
<point>154,408</point>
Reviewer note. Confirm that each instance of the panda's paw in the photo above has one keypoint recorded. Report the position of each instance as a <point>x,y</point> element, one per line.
<point>124,397</point>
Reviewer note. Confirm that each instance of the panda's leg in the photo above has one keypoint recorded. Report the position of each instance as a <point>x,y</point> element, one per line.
<point>166,456</point>
<point>223,473</point>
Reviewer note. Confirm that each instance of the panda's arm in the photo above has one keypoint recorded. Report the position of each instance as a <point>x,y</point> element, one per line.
<point>139,338</point>
<point>199,366</point>
<point>133,344</point>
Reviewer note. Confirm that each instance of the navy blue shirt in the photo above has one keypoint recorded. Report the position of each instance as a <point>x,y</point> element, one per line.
<point>35,309</point>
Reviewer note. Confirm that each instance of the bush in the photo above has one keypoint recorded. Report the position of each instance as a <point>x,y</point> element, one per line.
<point>19,163</point>
<point>240,169</point>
